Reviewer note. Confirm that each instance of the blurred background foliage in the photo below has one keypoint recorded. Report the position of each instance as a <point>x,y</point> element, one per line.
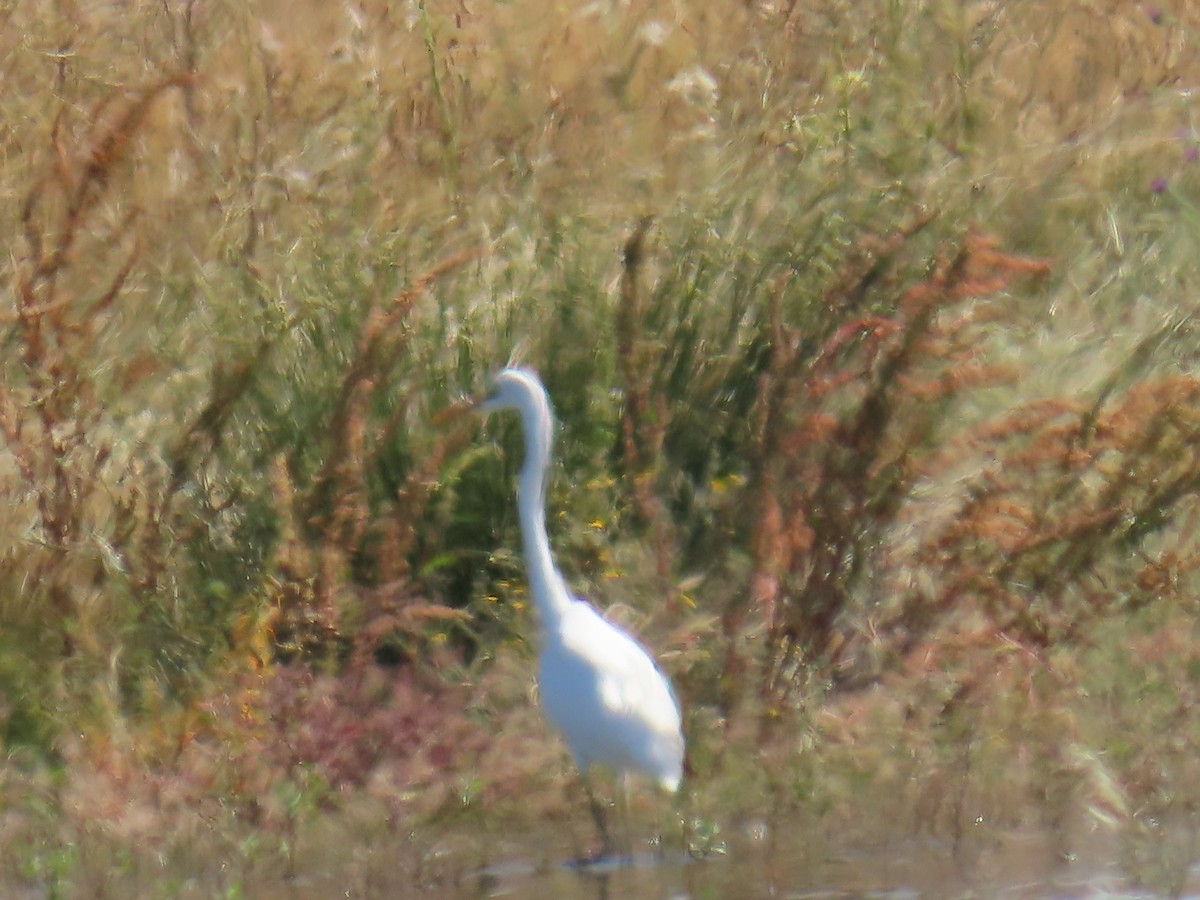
<point>869,326</point>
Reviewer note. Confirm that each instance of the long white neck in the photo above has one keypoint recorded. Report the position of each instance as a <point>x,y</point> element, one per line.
<point>546,585</point>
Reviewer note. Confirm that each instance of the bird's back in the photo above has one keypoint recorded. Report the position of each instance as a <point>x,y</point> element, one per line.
<point>614,707</point>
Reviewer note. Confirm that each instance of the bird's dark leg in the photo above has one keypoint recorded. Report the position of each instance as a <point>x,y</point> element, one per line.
<point>623,813</point>
<point>600,817</point>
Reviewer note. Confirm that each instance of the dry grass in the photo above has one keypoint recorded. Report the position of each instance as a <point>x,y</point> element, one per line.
<point>869,326</point>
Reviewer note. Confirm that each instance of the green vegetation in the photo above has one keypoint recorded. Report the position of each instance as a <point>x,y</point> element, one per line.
<point>871,331</point>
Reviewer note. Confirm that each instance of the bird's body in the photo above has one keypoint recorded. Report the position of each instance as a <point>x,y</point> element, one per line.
<point>602,690</point>
<point>598,685</point>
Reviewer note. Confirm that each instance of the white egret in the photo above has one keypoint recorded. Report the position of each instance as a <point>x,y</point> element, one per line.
<point>598,685</point>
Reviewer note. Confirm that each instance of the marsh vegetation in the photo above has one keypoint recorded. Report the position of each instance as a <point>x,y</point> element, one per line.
<point>870,327</point>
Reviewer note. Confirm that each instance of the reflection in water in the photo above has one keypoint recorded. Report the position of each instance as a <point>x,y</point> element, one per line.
<point>788,861</point>
<point>1025,864</point>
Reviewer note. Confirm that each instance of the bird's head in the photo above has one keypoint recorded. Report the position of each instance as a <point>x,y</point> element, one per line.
<point>521,390</point>
<point>512,388</point>
<point>518,389</point>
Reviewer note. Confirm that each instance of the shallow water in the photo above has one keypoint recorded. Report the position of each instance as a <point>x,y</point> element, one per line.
<point>1018,865</point>
<point>338,858</point>
<point>1034,863</point>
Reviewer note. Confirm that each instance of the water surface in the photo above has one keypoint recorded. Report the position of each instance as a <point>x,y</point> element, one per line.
<point>789,862</point>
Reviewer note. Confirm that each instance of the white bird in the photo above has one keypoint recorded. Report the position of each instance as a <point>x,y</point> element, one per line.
<point>598,685</point>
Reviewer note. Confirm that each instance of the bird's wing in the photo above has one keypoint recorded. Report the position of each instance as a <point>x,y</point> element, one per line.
<point>629,682</point>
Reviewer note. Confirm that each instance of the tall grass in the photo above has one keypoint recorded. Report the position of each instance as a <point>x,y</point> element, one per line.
<point>869,327</point>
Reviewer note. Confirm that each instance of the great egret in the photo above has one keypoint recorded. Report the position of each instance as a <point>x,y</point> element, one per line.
<point>598,685</point>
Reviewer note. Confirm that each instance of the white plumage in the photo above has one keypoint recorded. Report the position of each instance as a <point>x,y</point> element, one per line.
<point>609,700</point>
<point>598,685</point>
